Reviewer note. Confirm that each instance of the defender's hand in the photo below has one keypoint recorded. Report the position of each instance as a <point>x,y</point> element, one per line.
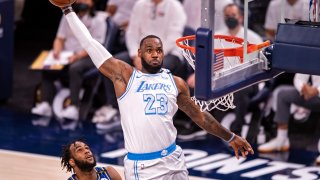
<point>242,145</point>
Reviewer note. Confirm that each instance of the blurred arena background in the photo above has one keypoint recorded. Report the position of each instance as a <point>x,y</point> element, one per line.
<point>24,137</point>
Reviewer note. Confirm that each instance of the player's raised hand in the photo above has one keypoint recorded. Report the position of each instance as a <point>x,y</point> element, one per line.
<point>242,145</point>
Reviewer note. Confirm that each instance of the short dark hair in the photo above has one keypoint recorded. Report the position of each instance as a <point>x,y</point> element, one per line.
<point>66,154</point>
<point>241,11</point>
<point>149,36</point>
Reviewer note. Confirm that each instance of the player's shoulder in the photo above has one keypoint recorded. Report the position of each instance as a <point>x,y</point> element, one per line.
<point>73,177</point>
<point>178,79</point>
<point>180,83</point>
<point>102,171</point>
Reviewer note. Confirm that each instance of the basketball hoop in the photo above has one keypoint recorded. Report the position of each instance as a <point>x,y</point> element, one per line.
<point>236,51</point>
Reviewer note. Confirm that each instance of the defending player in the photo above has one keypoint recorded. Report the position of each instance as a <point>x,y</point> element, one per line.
<point>77,157</point>
<point>148,99</point>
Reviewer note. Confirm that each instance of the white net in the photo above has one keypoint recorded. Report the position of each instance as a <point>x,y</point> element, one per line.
<point>222,103</point>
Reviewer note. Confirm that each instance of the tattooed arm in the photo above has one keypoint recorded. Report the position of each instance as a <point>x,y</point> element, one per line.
<point>207,122</point>
<point>119,72</point>
<point>116,70</point>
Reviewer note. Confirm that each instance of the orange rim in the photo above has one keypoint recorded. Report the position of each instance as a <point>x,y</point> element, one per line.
<point>237,51</point>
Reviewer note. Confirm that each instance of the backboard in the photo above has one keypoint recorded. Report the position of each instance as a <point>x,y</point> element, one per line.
<point>294,43</point>
<point>251,67</point>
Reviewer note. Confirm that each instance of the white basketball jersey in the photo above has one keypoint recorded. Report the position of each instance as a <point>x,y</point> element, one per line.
<point>147,108</point>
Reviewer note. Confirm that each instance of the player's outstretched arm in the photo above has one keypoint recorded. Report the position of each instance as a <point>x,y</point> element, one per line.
<point>207,122</point>
<point>103,60</point>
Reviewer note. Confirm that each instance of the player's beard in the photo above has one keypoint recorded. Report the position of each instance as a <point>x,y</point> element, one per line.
<point>84,165</point>
<point>149,68</point>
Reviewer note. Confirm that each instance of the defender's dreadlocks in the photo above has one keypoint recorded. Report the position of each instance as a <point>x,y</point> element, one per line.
<point>66,154</point>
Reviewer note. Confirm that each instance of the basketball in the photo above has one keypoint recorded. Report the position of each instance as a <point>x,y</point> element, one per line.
<point>62,3</point>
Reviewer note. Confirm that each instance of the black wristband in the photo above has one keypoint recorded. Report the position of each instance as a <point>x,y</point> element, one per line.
<point>66,10</point>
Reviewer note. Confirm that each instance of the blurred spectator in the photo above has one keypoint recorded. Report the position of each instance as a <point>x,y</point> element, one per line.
<point>256,14</point>
<point>293,9</point>
<point>145,19</point>
<point>193,11</point>
<point>234,20</point>
<point>79,61</point>
<point>301,94</point>
<point>233,17</point>
<point>120,11</point>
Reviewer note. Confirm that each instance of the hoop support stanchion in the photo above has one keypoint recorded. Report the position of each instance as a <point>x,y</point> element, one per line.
<point>203,68</point>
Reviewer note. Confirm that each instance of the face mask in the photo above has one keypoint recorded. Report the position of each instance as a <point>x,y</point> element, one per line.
<point>231,22</point>
<point>80,7</point>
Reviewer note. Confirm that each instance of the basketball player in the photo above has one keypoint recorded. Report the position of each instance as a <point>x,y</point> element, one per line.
<point>77,157</point>
<point>148,99</point>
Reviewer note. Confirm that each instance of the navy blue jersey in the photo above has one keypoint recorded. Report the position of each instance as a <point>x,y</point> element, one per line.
<point>102,174</point>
